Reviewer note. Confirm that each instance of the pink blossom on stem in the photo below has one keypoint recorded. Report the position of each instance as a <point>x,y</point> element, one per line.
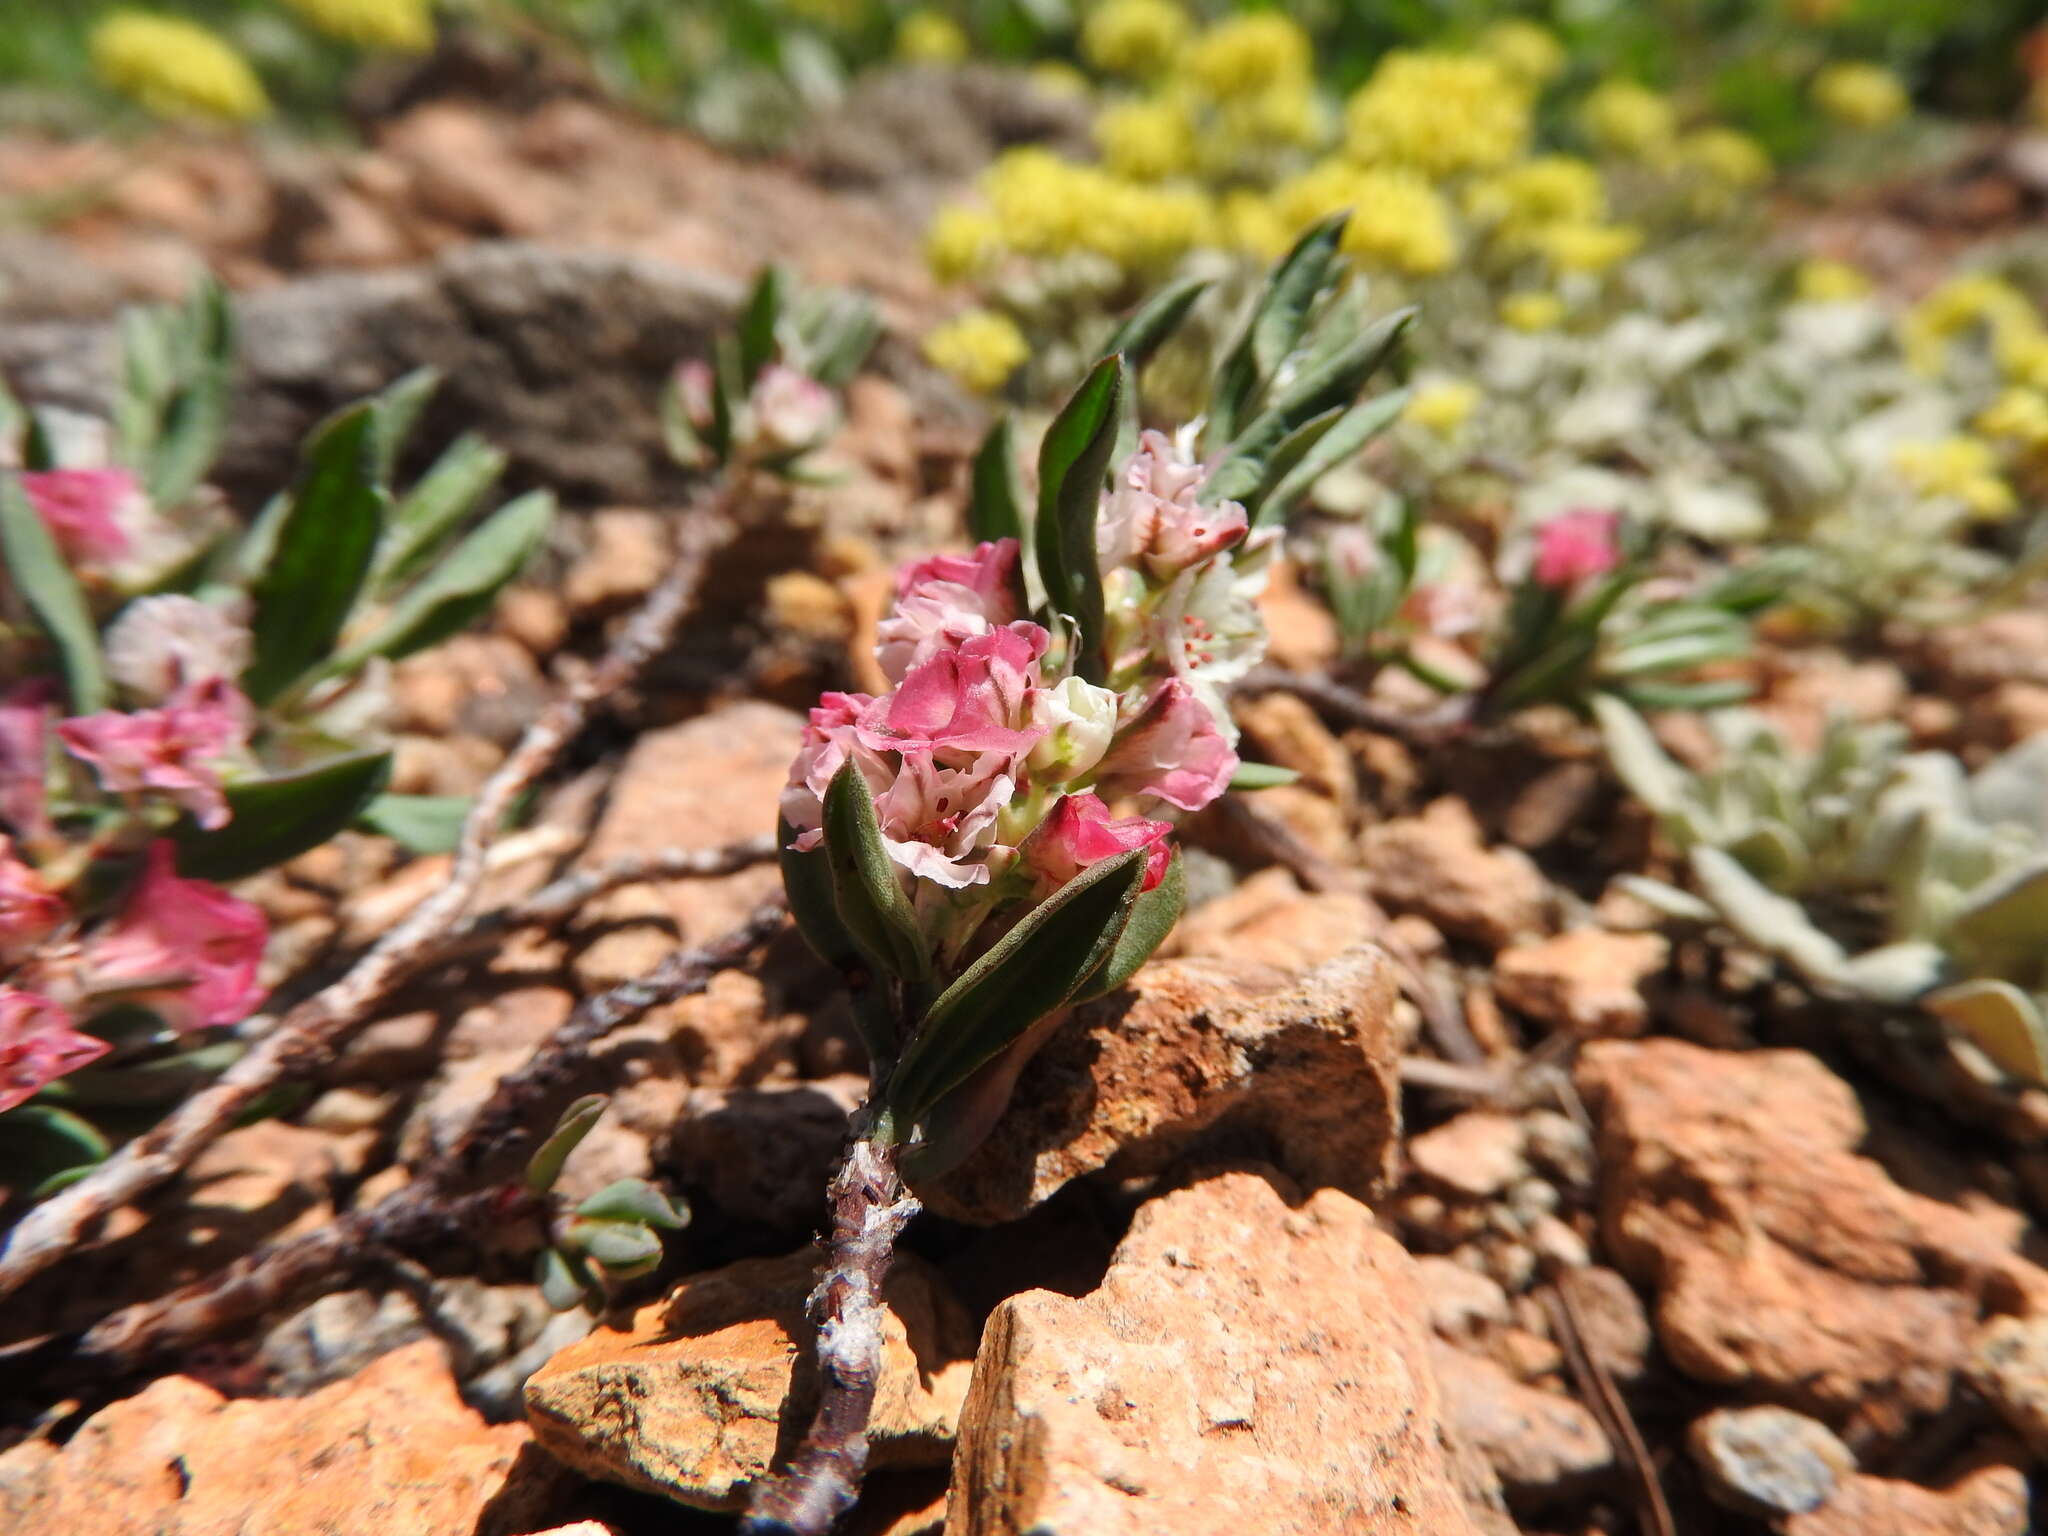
<point>161,644</point>
<point>83,509</point>
<point>1174,751</point>
<point>971,700</point>
<point>829,738</point>
<point>791,410</point>
<point>1081,832</point>
<point>29,910</point>
<point>176,749</point>
<point>38,1045</point>
<point>1576,546</point>
<point>945,601</point>
<point>24,731</point>
<point>695,387</point>
<point>1153,516</point>
<point>935,820</point>
<point>189,948</point>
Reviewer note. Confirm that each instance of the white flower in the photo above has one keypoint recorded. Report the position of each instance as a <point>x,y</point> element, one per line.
<point>1079,720</point>
<point>159,644</point>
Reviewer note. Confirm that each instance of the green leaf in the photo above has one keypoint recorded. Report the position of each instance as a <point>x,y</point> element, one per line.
<point>461,588</point>
<point>2009,913</point>
<point>44,1147</point>
<point>397,407</point>
<point>995,507</point>
<point>1072,461</point>
<point>419,823</point>
<point>1156,319</point>
<point>807,880</point>
<point>1032,970</point>
<point>1262,776</point>
<point>836,333</point>
<point>1761,916</point>
<point>194,416</point>
<point>1293,474</point>
<point>1715,694</point>
<point>1275,325</point>
<point>619,1246</point>
<point>436,505</point>
<point>280,816</point>
<point>545,1166</point>
<point>1638,761</point>
<point>865,890</point>
<point>678,434</point>
<point>37,571</point>
<point>325,541</point>
<point>2001,1020</point>
<point>757,339</point>
<point>634,1200</point>
<point>1334,381</point>
<point>1153,915</point>
<point>564,1281</point>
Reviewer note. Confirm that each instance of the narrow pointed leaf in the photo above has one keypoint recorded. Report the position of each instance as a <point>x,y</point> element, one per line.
<point>865,890</point>
<point>995,509</point>
<point>1262,776</point>
<point>1153,321</point>
<point>324,543</point>
<point>757,342</point>
<point>419,823</point>
<point>1637,758</point>
<point>1288,484</point>
<point>1761,916</point>
<point>1153,915</point>
<point>398,406</point>
<point>2008,913</point>
<point>435,507</point>
<point>563,1279</point>
<point>1071,464</point>
<point>2001,1020</point>
<point>545,1166</point>
<point>37,570</point>
<point>634,1200</point>
<point>1274,327</point>
<point>1036,967</point>
<point>280,816</point>
<point>194,417</point>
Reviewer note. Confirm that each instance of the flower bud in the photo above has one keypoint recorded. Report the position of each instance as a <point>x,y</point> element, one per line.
<point>791,410</point>
<point>1576,547</point>
<point>1079,719</point>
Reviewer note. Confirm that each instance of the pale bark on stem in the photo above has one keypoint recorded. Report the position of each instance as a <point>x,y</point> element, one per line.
<point>309,1033</point>
<point>870,1208</point>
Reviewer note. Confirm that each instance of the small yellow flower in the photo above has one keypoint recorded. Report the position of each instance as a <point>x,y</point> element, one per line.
<point>1287,116</point>
<point>979,348</point>
<point>1960,306</point>
<point>1531,54</point>
<point>1860,95</point>
<point>1398,221</point>
<point>1249,222</point>
<point>962,243</point>
<point>1548,189</point>
<point>2023,353</point>
<point>1056,77</point>
<point>1041,203</point>
<point>1144,228</point>
<point>1531,310</point>
<point>1248,54</point>
<point>1438,113</point>
<point>175,68</point>
<point>1629,120</point>
<point>1723,155</point>
<point>1134,37</point>
<point>1442,407</point>
<point>400,26</point>
<point>1145,140</point>
<point>1587,247</point>
<point>1962,469</point>
<point>930,37</point>
<point>2020,415</point>
<point>1829,282</point>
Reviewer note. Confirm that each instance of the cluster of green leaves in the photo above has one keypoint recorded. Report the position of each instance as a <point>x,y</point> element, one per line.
<point>607,1238</point>
<point>1896,877</point>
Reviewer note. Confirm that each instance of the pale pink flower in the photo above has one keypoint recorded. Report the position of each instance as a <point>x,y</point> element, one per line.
<point>1445,609</point>
<point>1577,546</point>
<point>160,644</point>
<point>84,509</point>
<point>38,1045</point>
<point>29,910</point>
<point>177,749</point>
<point>24,731</point>
<point>1081,832</point>
<point>967,701</point>
<point>791,410</point>
<point>829,738</point>
<point>943,602</point>
<point>935,820</point>
<point>188,949</point>
<point>1353,554</point>
<point>1153,516</point>
<point>1174,751</point>
<point>696,386</point>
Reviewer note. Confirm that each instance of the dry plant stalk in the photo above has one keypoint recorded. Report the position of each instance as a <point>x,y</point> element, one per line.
<point>307,1035</point>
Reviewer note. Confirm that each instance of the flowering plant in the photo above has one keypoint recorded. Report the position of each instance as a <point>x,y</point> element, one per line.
<point>186,703</point>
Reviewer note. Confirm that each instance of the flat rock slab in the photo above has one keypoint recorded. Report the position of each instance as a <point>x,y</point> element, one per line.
<point>701,1394</point>
<point>390,1452</point>
<point>1246,1366</point>
<point>1196,1054</point>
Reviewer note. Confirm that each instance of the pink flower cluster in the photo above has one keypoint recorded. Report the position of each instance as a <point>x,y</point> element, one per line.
<point>1574,547</point>
<point>86,510</point>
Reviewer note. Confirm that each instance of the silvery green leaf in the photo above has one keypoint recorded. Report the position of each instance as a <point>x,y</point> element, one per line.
<point>624,1248</point>
<point>1894,973</point>
<point>1262,776</point>
<point>634,1200</point>
<point>545,1166</point>
<point>2013,787</point>
<point>1154,320</point>
<point>1680,906</point>
<point>426,515</point>
<point>1292,477</point>
<point>1638,760</point>
<point>1764,918</point>
<point>1772,852</point>
<point>563,1279</point>
<point>2008,913</point>
<point>758,342</point>
<point>397,408</point>
<point>44,582</point>
<point>2001,1020</point>
<point>1274,327</point>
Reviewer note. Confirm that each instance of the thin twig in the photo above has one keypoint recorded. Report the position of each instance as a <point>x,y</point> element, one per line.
<point>310,1032</point>
<point>438,1206</point>
<point>870,1207</point>
<point>1429,728</point>
<point>1653,1514</point>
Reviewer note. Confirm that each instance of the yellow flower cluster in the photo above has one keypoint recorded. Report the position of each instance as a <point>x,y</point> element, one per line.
<point>1962,306</point>
<point>1398,220</point>
<point>1630,121</point>
<point>1046,206</point>
<point>930,37</point>
<point>1443,405</point>
<point>1582,247</point>
<point>1146,140</point>
<point>1134,37</point>
<point>2018,415</point>
<point>1532,310</point>
<point>979,348</point>
<point>962,243</point>
<point>1962,469</point>
<point>400,26</point>
<point>175,68</point>
<point>1548,189</point>
<point>1438,113</point>
<point>1250,55</point>
<point>1725,157</point>
<point>1860,95</point>
<point>1526,51</point>
<point>1829,282</point>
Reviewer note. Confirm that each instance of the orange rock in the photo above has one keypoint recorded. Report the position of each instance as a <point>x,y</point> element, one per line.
<point>1541,1445</point>
<point>1437,865</point>
<point>1270,920</point>
<point>1215,1385</point>
<point>390,1452</point>
<point>692,1401</point>
<point>1989,1502</point>
<point>1587,981</point>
